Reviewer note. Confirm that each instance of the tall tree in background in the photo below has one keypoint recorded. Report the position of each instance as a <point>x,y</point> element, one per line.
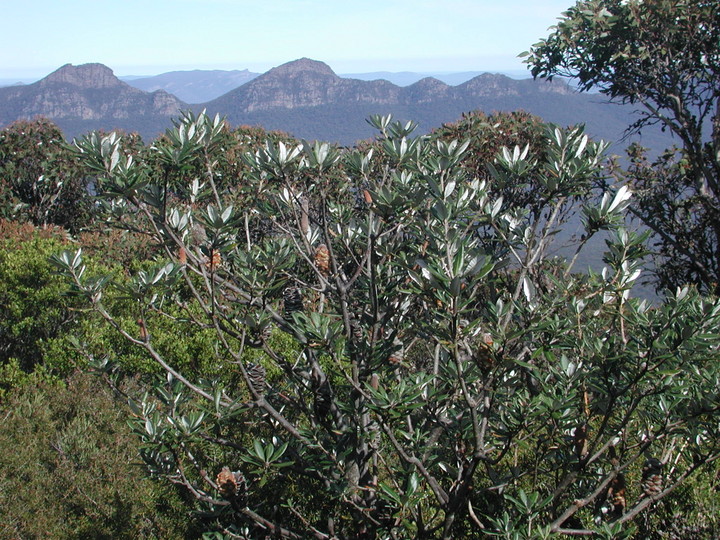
<point>663,55</point>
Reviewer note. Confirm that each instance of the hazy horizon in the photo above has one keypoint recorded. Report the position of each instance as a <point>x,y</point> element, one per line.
<point>136,38</point>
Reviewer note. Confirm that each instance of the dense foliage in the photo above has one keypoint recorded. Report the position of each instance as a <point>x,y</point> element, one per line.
<point>397,351</point>
<point>39,179</point>
<point>69,469</point>
<point>33,309</point>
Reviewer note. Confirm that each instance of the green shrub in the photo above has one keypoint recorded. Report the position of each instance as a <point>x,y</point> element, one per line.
<point>40,180</point>
<point>33,308</point>
<point>40,324</point>
<point>68,469</point>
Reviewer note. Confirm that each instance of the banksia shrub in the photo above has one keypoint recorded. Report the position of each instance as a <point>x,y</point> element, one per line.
<point>451,380</point>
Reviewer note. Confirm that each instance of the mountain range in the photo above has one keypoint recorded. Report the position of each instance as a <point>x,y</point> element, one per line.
<point>199,86</point>
<point>196,86</point>
<point>305,98</point>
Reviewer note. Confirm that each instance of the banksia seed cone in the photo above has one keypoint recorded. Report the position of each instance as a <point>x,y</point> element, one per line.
<point>214,261</point>
<point>259,334</point>
<point>143,329</point>
<point>256,374</point>
<point>227,485</point>
<point>483,355</point>
<point>616,495</point>
<point>580,441</point>
<point>232,486</point>
<point>292,301</point>
<point>322,259</point>
<point>652,480</point>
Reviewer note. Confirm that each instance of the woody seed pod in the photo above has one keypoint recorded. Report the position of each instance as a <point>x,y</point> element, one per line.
<point>322,259</point>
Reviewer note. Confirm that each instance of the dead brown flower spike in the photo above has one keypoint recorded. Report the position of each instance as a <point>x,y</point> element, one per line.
<point>143,329</point>
<point>616,494</point>
<point>580,441</point>
<point>322,259</point>
<point>652,479</point>
<point>232,487</point>
<point>214,261</point>
<point>227,483</point>
<point>256,374</point>
<point>292,301</point>
<point>483,356</point>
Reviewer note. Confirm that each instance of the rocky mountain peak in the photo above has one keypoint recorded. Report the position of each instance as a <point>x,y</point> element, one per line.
<point>303,65</point>
<point>84,76</point>
<point>429,82</point>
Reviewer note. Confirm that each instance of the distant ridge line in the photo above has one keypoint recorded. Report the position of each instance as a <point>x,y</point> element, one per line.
<point>303,97</point>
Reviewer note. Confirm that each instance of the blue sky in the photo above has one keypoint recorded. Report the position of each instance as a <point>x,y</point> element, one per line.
<point>148,37</point>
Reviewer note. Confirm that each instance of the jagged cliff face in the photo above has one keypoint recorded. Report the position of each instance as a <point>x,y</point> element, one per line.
<point>307,99</point>
<point>85,76</point>
<point>87,92</point>
<point>306,83</point>
<point>91,92</point>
